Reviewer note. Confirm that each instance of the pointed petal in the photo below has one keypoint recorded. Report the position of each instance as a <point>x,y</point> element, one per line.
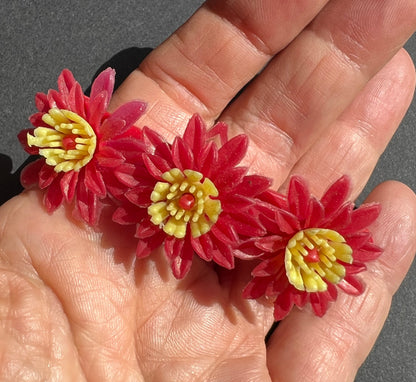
<point>351,285</point>
<point>76,101</point>
<point>336,195</point>
<point>233,151</point>
<point>253,185</point>
<point>30,174</point>
<point>104,82</point>
<point>182,155</point>
<point>203,246</point>
<point>66,81</point>
<point>298,197</point>
<point>195,135</point>
<point>156,165</point>
<point>363,216</point>
<point>42,102</point>
<point>94,180</point>
<point>146,246</point>
<point>68,184</point>
<point>129,113</point>
<point>53,197</point>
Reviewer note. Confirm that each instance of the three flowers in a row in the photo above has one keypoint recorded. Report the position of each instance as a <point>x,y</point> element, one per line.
<point>191,196</point>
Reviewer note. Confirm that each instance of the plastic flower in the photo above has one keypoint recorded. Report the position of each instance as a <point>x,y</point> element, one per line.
<point>78,140</point>
<point>194,198</point>
<point>313,247</point>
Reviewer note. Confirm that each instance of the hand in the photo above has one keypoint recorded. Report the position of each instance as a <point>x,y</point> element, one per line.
<point>75,305</point>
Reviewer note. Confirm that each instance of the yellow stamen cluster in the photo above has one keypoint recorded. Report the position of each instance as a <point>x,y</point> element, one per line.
<point>311,259</point>
<point>65,125</point>
<point>168,210</point>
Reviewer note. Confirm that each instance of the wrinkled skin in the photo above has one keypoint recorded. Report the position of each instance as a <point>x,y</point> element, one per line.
<point>76,306</point>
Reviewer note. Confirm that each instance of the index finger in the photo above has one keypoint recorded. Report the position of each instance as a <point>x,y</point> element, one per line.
<point>203,65</point>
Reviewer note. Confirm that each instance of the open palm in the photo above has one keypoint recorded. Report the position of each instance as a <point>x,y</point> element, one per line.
<point>331,86</point>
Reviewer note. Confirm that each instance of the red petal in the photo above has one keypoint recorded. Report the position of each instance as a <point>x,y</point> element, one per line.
<point>146,246</point>
<point>298,197</point>
<point>315,215</point>
<point>271,243</point>
<point>129,113</point>
<point>223,230</point>
<point>22,137</point>
<point>140,196</point>
<point>36,119</point>
<point>181,154</point>
<point>206,159</point>
<point>56,99</point>
<point>269,267</point>
<point>222,254</point>
<point>109,157</point>
<point>46,176</point>
<point>104,82</point>
<point>247,225</point>
<point>363,216</point>
<point>126,215</point>
<point>351,285</point>
<point>253,185</point>
<point>68,184</point>
<point>156,165</point>
<point>219,129</point>
<point>146,229</point>
<point>30,174</point>
<point>368,252</point>
<point>256,287</point>
<point>66,81</point>
<point>336,195</point>
<point>283,305</point>
<point>203,246</point>
<point>195,134</point>
<point>41,102</point>
<point>287,222</point>
<point>53,197</point>
<point>181,253</point>
<point>94,180</point>
<point>233,151</point>
<point>76,100</point>
<point>96,110</point>
<point>319,303</point>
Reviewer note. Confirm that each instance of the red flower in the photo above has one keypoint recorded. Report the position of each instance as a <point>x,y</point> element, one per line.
<point>78,141</point>
<point>312,247</point>
<point>193,198</point>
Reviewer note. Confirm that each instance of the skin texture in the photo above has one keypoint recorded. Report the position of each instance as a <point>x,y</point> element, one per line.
<point>331,86</point>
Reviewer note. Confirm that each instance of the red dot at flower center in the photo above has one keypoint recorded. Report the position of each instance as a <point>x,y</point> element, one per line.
<point>68,142</point>
<point>186,201</point>
<point>313,256</point>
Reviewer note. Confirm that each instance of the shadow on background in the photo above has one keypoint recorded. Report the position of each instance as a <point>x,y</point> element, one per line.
<point>124,63</point>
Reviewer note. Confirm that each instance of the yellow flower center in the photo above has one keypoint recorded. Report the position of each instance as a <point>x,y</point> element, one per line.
<point>183,200</point>
<point>311,259</point>
<point>69,145</point>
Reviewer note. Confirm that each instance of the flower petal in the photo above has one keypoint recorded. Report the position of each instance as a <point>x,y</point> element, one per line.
<point>195,135</point>
<point>233,151</point>
<point>30,174</point>
<point>129,113</point>
<point>68,184</point>
<point>298,197</point>
<point>104,82</point>
<point>336,195</point>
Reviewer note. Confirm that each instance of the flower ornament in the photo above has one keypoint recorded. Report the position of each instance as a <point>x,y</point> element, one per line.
<point>193,197</point>
<point>79,141</point>
<point>312,248</point>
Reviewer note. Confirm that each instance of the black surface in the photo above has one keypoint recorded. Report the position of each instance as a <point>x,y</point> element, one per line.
<point>40,38</point>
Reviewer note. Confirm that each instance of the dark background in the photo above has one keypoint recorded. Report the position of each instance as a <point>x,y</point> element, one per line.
<point>39,38</point>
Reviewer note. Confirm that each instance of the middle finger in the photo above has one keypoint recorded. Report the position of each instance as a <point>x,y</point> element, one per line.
<point>306,87</point>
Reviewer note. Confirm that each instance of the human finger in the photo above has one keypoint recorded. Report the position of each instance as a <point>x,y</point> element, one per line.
<point>354,143</point>
<point>201,67</point>
<point>307,86</point>
<point>308,348</point>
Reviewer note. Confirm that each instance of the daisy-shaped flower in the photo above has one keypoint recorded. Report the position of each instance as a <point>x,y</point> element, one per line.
<point>313,247</point>
<point>78,140</point>
<point>194,198</point>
